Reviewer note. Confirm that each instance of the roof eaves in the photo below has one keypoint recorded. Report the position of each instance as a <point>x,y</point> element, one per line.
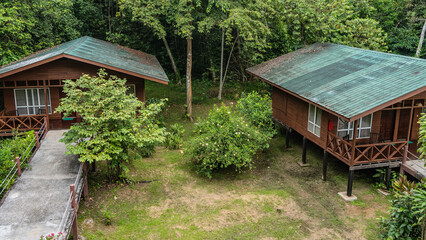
<point>116,69</point>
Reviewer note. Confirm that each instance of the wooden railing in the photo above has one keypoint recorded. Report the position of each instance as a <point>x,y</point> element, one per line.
<point>364,153</point>
<point>379,152</point>
<point>2,112</point>
<point>21,123</point>
<point>339,148</point>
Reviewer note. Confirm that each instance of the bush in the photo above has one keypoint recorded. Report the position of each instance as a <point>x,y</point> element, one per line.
<point>226,139</point>
<point>407,211</point>
<point>11,148</point>
<point>174,138</point>
<point>256,108</point>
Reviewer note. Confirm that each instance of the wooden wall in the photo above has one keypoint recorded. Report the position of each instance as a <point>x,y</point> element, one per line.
<point>293,112</point>
<point>63,69</point>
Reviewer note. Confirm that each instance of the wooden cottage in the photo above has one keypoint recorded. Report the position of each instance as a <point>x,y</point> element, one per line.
<point>360,106</point>
<point>28,84</point>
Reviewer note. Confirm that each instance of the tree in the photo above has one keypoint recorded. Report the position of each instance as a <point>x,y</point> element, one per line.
<point>112,121</point>
<point>150,12</point>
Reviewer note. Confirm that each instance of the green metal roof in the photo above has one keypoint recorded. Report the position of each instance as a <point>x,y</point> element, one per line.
<point>345,80</point>
<point>98,51</point>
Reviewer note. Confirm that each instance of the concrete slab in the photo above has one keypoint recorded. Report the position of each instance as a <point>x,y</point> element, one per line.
<point>304,164</point>
<point>346,197</point>
<point>37,200</point>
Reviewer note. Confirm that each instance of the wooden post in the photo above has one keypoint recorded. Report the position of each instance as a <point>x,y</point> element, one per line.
<point>324,166</point>
<point>304,151</point>
<point>355,133</point>
<point>410,123</point>
<point>287,137</point>
<point>404,159</point>
<point>37,140</point>
<point>395,129</point>
<point>388,177</point>
<point>75,206</point>
<point>19,165</point>
<point>46,106</point>
<point>350,182</point>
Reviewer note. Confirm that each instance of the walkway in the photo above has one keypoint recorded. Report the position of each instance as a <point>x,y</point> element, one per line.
<point>37,201</point>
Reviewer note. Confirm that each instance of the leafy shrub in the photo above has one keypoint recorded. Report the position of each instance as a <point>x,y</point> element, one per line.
<point>407,211</point>
<point>256,108</point>
<point>11,148</point>
<point>226,139</point>
<point>174,138</point>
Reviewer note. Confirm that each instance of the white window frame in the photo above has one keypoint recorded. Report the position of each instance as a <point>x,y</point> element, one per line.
<point>351,128</point>
<point>315,124</point>
<point>33,106</point>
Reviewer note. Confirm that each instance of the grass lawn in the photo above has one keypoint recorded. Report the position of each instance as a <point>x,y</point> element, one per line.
<point>276,200</point>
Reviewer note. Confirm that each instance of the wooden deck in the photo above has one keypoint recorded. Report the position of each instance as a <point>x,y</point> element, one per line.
<point>416,168</point>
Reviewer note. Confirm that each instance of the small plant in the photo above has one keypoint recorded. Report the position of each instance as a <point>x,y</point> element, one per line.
<point>108,217</point>
<point>403,185</point>
<point>51,236</point>
<point>174,138</point>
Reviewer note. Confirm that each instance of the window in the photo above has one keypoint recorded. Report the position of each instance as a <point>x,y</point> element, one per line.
<point>345,128</point>
<point>31,101</point>
<point>131,89</point>
<point>314,120</point>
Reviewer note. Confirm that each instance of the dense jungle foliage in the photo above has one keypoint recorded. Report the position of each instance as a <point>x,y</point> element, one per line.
<point>252,30</point>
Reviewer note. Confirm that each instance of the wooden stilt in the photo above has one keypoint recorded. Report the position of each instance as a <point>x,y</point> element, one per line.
<point>324,166</point>
<point>287,137</point>
<point>304,151</point>
<point>350,182</point>
<point>388,177</point>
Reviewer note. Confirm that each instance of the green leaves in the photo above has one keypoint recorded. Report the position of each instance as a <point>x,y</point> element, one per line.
<point>227,138</point>
<point>112,121</point>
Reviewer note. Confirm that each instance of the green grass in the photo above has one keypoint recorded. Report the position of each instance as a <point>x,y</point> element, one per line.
<point>277,199</point>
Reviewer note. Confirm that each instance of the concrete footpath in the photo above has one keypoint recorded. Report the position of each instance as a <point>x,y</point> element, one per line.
<point>38,199</point>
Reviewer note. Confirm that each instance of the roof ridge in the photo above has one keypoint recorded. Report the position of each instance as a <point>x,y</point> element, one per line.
<point>76,44</point>
<point>375,51</point>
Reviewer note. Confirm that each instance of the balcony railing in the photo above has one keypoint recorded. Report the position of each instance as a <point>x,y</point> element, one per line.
<point>364,153</point>
<point>21,123</point>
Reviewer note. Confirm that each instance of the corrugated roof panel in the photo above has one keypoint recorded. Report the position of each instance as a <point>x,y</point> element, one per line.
<point>348,81</point>
<point>99,51</point>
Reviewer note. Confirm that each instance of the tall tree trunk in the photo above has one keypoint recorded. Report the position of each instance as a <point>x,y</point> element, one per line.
<point>221,65</point>
<point>172,61</point>
<point>422,37</point>
<point>226,70</point>
<point>188,78</point>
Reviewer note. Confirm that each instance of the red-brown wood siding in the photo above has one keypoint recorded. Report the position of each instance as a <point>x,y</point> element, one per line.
<point>63,69</point>
<point>293,112</point>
